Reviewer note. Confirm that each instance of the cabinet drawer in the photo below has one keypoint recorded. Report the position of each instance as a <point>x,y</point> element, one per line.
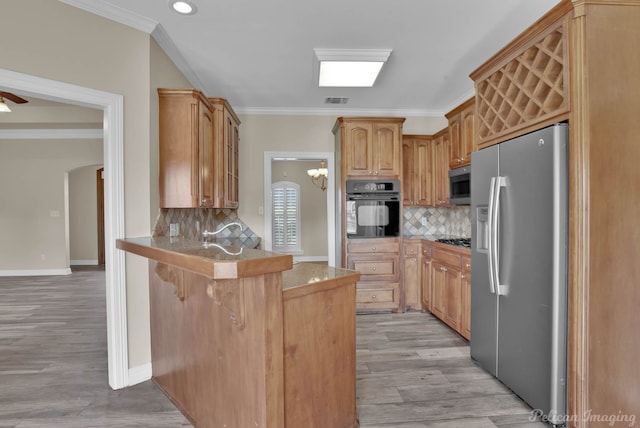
<point>375,295</point>
<point>446,257</point>
<point>375,267</point>
<point>373,246</point>
<point>411,248</point>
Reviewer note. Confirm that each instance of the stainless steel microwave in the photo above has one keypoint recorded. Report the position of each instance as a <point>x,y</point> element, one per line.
<point>460,186</point>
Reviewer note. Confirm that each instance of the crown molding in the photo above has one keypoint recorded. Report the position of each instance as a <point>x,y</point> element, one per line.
<point>302,111</point>
<point>115,13</point>
<point>169,47</point>
<point>51,134</point>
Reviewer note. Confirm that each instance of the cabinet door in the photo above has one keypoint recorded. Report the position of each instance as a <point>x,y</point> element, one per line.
<point>411,277</point>
<point>452,298</point>
<point>231,147</point>
<point>206,155</point>
<point>455,148</point>
<point>386,150</point>
<point>467,135</point>
<point>438,292</point>
<point>441,169</point>
<point>409,176</point>
<point>465,316</point>
<point>426,284</point>
<point>359,148</point>
<point>423,179</point>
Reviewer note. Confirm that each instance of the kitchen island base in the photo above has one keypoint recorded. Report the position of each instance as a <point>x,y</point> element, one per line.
<point>259,351</point>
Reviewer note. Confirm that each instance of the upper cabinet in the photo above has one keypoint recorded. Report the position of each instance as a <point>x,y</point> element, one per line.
<point>441,168</point>
<point>529,89</point>
<point>417,170</point>
<point>198,152</point>
<point>370,147</point>
<point>226,127</point>
<point>461,134</point>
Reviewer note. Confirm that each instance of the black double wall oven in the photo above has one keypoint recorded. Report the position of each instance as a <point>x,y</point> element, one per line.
<point>372,209</point>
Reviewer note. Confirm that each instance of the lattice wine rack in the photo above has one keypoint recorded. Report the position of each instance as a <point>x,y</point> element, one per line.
<point>528,88</point>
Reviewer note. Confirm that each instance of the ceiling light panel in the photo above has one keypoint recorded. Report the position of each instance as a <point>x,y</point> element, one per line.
<point>349,67</point>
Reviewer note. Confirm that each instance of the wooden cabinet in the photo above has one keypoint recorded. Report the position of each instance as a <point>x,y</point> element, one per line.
<point>227,141</point>
<point>370,147</point>
<point>186,149</point>
<point>449,279</point>
<point>465,297</point>
<point>461,134</point>
<point>411,278</point>
<point>378,261</point>
<point>426,276</point>
<point>441,168</point>
<point>198,150</point>
<point>417,170</point>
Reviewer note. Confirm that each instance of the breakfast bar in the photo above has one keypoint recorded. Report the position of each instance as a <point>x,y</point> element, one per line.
<point>242,337</point>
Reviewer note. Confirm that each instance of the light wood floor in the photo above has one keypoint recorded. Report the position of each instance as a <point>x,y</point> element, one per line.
<point>412,370</point>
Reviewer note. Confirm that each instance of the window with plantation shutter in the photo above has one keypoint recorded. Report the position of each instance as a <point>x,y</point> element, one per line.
<point>286,216</point>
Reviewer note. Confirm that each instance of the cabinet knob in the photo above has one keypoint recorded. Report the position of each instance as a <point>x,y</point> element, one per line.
<point>373,296</point>
<point>467,265</point>
<point>373,268</point>
<point>443,269</point>
<point>373,248</point>
<point>461,275</point>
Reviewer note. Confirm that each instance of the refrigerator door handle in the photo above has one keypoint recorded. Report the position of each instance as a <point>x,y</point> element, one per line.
<point>499,183</point>
<point>490,243</point>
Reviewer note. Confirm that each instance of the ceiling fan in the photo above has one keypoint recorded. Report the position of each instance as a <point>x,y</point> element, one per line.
<point>4,108</point>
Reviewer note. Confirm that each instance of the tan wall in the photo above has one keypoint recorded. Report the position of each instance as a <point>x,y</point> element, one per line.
<point>83,215</point>
<point>263,133</point>
<point>313,205</point>
<point>32,212</point>
<point>63,43</point>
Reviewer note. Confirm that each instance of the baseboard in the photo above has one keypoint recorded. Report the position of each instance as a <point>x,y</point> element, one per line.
<point>83,262</point>
<point>139,374</point>
<point>36,272</point>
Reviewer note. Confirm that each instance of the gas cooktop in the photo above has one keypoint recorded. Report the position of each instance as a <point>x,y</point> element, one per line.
<point>461,242</point>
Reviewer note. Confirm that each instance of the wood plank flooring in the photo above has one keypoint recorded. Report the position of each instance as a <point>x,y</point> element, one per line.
<point>412,370</point>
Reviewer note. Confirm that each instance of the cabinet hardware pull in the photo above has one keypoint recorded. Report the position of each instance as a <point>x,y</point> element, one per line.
<point>373,268</point>
<point>373,296</point>
<point>373,248</point>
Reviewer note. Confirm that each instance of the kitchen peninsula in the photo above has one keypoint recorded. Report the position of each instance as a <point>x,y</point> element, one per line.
<point>244,338</point>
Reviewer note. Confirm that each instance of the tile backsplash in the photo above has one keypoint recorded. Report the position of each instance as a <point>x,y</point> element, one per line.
<point>454,221</point>
<point>193,221</point>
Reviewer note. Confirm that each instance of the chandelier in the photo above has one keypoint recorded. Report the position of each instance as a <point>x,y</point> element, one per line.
<point>319,176</point>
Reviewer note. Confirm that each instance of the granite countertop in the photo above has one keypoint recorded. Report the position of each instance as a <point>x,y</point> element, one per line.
<point>433,237</point>
<point>308,273</point>
<point>213,261</point>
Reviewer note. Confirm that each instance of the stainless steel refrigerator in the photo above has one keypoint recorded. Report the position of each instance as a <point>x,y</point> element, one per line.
<point>519,215</point>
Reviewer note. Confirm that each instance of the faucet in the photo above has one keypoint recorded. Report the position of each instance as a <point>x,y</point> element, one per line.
<point>207,234</point>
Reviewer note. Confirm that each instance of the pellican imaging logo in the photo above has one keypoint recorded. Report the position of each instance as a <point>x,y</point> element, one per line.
<point>588,416</point>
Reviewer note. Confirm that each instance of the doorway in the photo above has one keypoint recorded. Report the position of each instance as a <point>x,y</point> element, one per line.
<point>269,158</point>
<point>112,107</point>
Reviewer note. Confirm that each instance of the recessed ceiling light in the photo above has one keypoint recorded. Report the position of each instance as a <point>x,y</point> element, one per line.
<point>349,67</point>
<point>183,7</point>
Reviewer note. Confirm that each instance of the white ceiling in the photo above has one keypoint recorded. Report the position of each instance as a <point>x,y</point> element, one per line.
<point>259,54</point>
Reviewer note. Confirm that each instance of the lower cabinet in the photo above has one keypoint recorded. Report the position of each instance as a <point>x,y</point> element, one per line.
<point>426,277</point>
<point>465,297</point>
<point>446,285</point>
<point>411,273</point>
<point>378,261</point>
